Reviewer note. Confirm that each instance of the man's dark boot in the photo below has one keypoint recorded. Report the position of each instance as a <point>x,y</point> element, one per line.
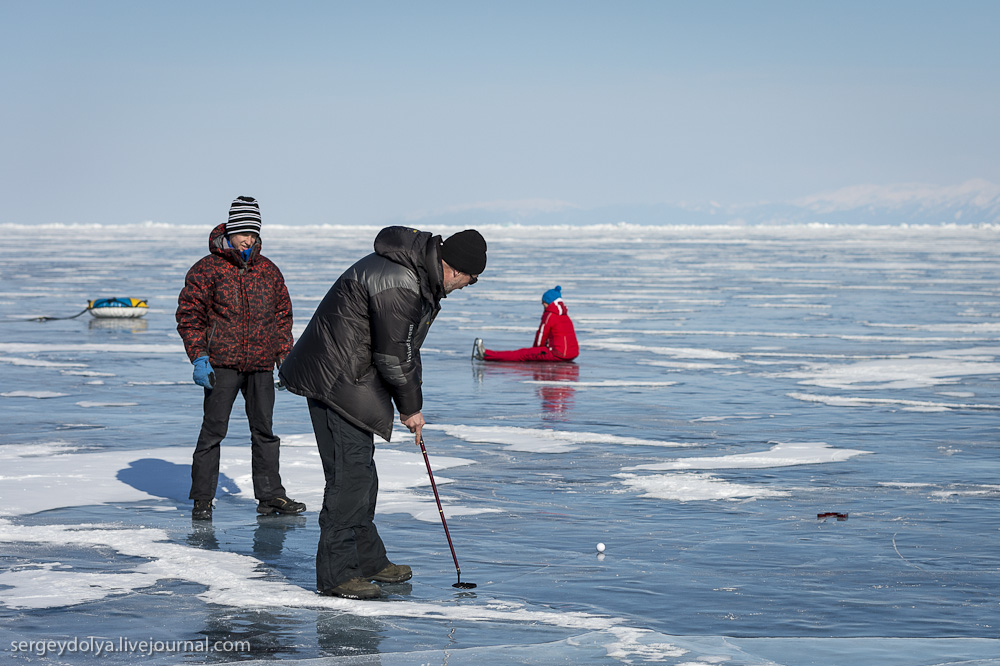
<point>356,588</point>
<point>280,505</point>
<point>202,510</point>
<point>394,573</point>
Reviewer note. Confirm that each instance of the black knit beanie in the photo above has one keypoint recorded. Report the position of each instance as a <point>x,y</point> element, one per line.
<point>465,252</point>
<point>244,216</point>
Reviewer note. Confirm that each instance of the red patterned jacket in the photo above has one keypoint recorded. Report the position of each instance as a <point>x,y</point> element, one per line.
<point>556,331</point>
<point>236,312</point>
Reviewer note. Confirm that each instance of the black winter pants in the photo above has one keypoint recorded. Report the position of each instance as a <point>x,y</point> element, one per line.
<point>349,544</point>
<point>258,393</point>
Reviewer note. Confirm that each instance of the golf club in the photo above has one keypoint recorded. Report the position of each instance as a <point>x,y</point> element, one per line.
<point>444,523</point>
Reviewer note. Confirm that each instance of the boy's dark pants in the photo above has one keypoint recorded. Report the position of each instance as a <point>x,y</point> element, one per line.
<point>258,393</point>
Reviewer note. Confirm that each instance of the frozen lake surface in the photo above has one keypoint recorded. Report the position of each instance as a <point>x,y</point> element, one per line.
<point>734,384</point>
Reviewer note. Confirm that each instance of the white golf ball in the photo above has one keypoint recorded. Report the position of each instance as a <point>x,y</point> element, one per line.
<point>600,548</point>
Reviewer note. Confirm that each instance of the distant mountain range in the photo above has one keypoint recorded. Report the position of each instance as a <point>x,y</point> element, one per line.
<point>973,202</point>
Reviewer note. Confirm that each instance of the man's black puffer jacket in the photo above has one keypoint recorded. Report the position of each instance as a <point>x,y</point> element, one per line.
<point>361,349</point>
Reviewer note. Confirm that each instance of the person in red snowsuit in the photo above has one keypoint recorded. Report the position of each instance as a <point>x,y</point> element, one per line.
<point>554,341</point>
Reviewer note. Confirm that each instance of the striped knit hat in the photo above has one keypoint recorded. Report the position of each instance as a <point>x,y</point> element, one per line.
<point>244,217</point>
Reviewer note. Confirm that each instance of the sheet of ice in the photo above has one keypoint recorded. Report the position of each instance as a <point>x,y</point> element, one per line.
<point>629,646</point>
<point>230,579</point>
<point>538,440</point>
<point>948,491</point>
<point>981,328</point>
<point>524,331</point>
<point>32,394</point>
<point>52,475</point>
<point>780,296</point>
<point>799,306</point>
<point>399,471</point>
<point>779,455</point>
<point>158,383</point>
<point>909,405</point>
<point>38,363</point>
<point>85,347</point>
<point>12,452</point>
<point>53,585</point>
<point>979,491</point>
<point>904,373</point>
<point>728,312</point>
<point>790,335</point>
<point>695,487</point>
<point>607,383</point>
<point>240,581</point>
<point>676,352</point>
<point>682,365</point>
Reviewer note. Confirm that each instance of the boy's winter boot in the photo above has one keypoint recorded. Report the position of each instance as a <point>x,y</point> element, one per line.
<point>356,588</point>
<point>202,510</point>
<point>478,350</point>
<point>280,505</point>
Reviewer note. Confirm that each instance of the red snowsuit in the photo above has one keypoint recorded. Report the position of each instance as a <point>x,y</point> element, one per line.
<point>554,341</point>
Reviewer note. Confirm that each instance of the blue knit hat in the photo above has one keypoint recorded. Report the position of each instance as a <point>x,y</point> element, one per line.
<point>552,295</point>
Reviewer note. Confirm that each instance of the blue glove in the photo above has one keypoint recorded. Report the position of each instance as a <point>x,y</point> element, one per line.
<point>203,373</point>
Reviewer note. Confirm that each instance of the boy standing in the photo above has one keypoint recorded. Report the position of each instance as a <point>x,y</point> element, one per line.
<point>235,317</point>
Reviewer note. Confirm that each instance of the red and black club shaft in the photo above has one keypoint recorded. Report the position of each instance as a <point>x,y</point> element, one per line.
<point>444,523</point>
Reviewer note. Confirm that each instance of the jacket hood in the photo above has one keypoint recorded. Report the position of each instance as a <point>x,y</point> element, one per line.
<point>557,307</point>
<point>420,251</point>
<point>217,245</point>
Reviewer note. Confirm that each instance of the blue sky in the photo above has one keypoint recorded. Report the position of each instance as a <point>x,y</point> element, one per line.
<point>375,112</point>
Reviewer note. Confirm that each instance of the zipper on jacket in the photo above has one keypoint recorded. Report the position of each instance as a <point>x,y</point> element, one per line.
<point>245,302</point>
<point>211,334</point>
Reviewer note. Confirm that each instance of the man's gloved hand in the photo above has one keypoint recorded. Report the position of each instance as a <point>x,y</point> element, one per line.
<point>203,373</point>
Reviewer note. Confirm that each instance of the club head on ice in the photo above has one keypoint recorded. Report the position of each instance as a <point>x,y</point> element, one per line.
<point>464,586</point>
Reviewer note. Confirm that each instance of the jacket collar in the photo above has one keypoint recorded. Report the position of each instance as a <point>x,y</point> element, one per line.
<point>218,245</point>
<point>556,307</point>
